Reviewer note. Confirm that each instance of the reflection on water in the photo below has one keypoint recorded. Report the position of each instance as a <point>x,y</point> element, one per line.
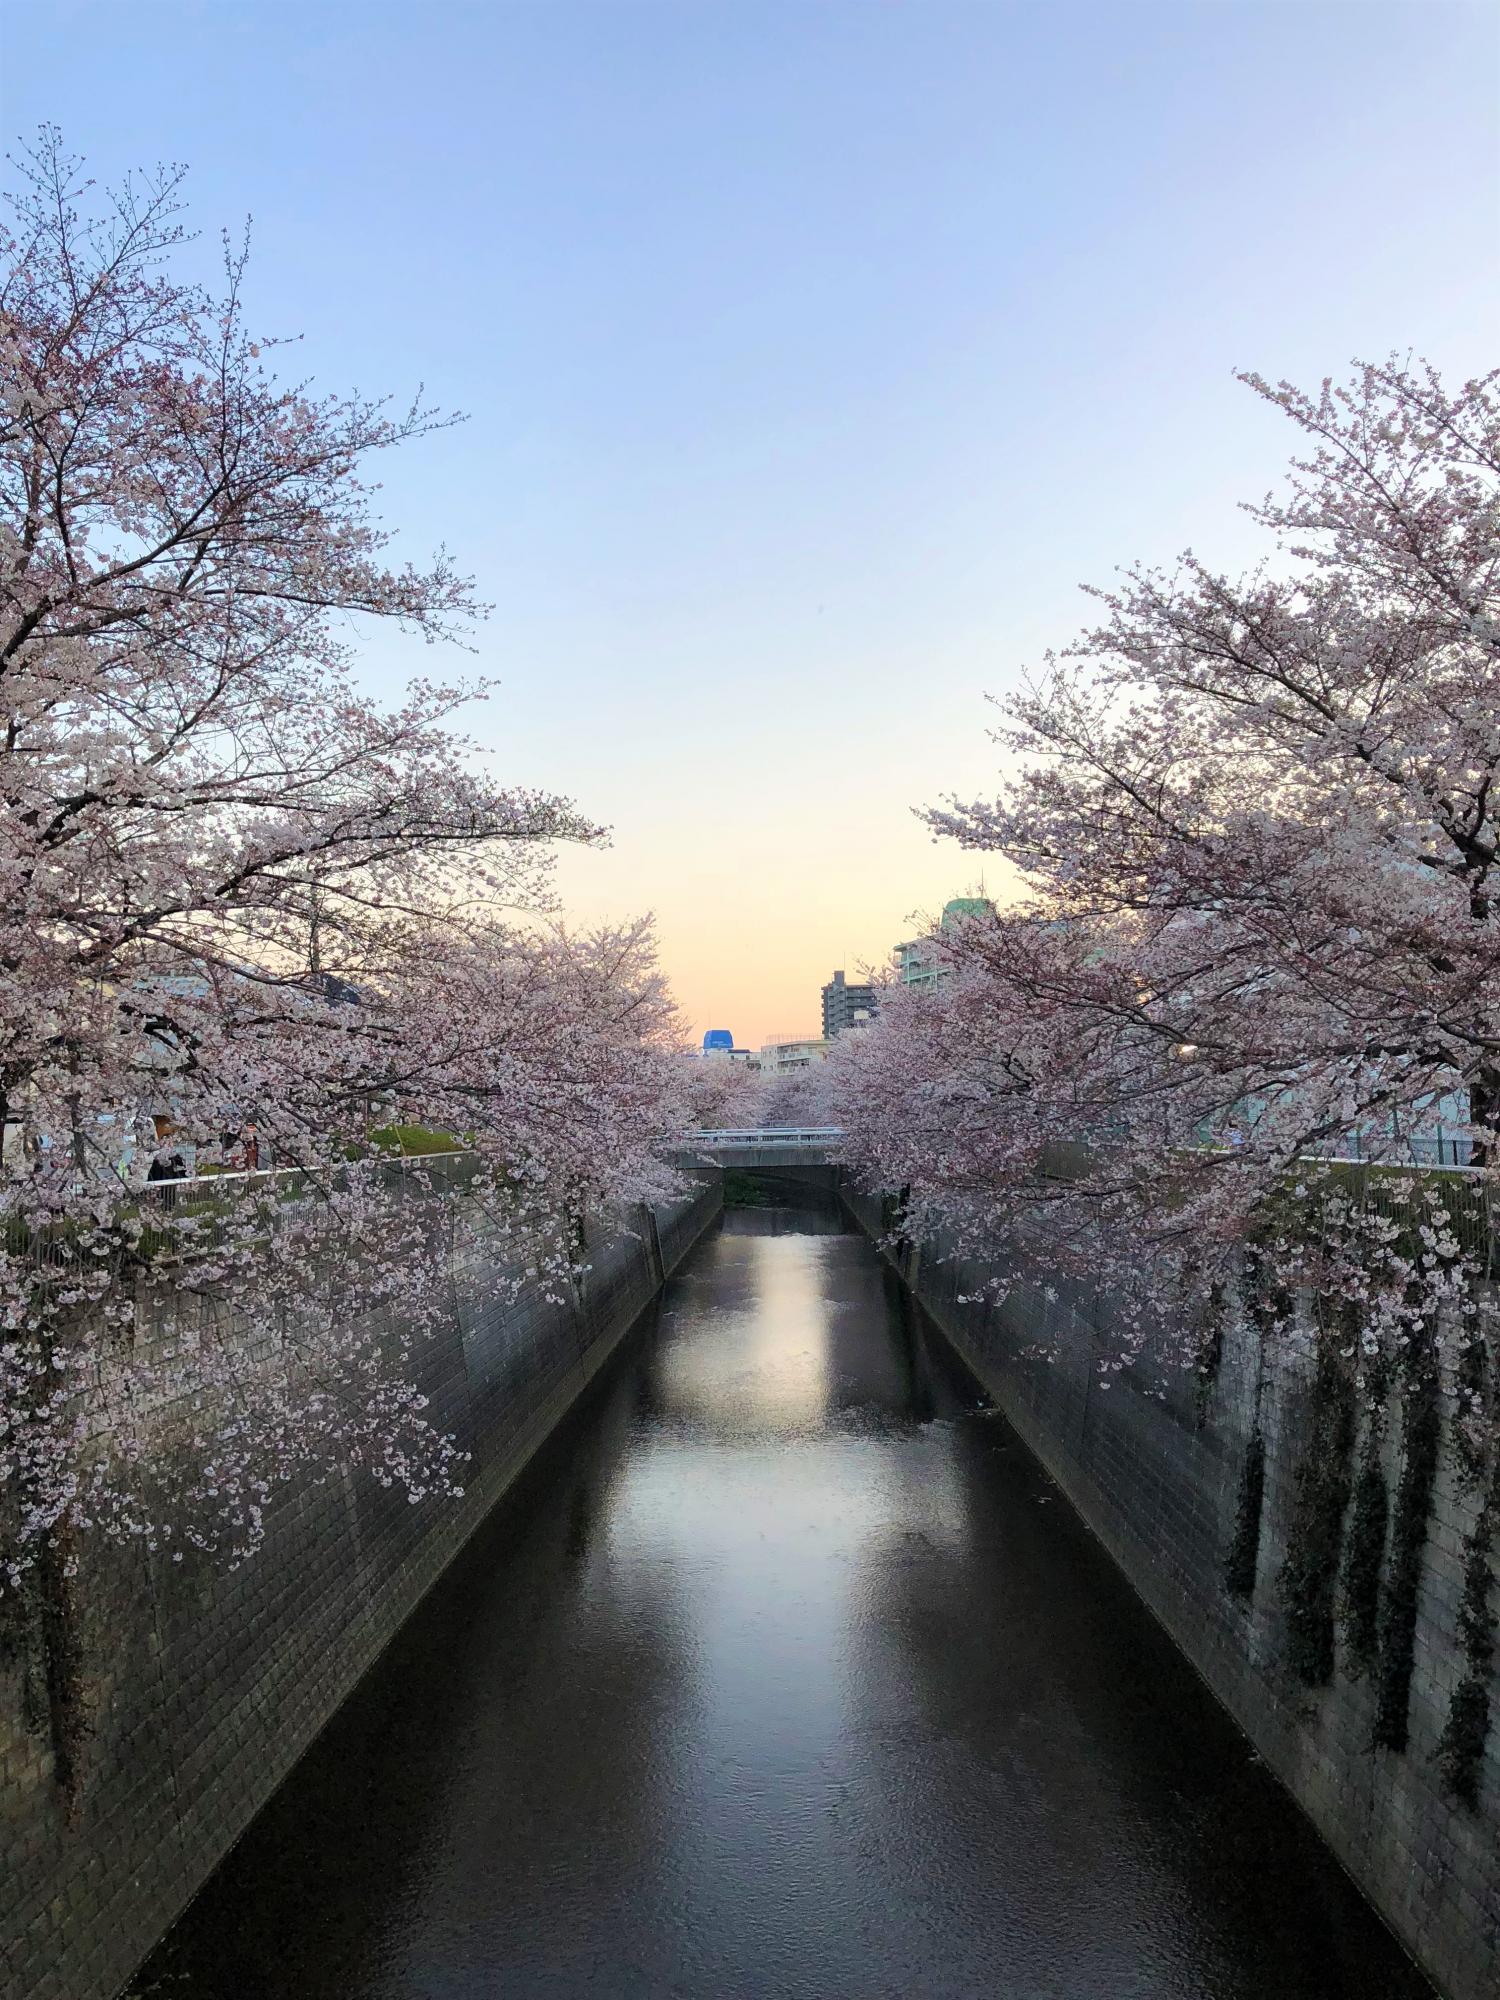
<point>786,1673</point>
<point>758,1365</point>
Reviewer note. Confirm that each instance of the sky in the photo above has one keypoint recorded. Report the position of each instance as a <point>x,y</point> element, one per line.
<point>813,354</point>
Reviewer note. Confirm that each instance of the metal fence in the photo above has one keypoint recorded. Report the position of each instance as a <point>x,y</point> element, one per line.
<point>1438,1149</point>
<point>764,1135</point>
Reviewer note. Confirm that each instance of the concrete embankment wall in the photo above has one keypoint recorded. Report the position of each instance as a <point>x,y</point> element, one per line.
<point>141,1733</point>
<point>1161,1480</point>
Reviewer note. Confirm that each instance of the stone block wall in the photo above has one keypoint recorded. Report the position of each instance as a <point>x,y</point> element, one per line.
<point>142,1731</point>
<point>1158,1472</point>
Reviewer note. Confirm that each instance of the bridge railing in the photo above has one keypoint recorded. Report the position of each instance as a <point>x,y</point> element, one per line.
<point>764,1135</point>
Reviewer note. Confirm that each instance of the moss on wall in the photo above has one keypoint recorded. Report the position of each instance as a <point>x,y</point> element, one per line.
<point>1310,1566</point>
<point>1243,1556</point>
<point>1364,1551</point>
<point>1460,1751</point>
<point>1421,1426</point>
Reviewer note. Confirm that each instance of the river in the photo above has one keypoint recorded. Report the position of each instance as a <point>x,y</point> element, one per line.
<point>784,1672</point>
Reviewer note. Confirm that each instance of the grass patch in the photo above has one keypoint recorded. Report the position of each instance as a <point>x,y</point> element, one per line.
<point>412,1141</point>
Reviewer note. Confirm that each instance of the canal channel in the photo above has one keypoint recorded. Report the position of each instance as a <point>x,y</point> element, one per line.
<point>784,1672</point>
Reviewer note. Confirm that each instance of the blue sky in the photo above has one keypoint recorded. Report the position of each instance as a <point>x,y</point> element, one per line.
<point>814,355</point>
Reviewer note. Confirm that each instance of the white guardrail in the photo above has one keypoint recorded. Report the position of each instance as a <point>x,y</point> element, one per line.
<point>765,1135</point>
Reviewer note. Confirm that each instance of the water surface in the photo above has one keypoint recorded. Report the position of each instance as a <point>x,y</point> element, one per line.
<point>785,1672</point>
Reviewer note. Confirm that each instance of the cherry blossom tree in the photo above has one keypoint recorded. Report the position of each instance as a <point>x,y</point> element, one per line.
<point>718,1094</point>
<point>1257,823</point>
<point>798,1098</point>
<point>248,915</point>
<point>715,1093</point>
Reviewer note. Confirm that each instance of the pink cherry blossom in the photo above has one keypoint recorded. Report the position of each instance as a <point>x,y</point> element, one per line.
<point>250,919</point>
<point>1257,821</point>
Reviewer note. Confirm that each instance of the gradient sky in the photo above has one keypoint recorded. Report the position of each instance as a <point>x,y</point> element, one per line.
<point>814,353</point>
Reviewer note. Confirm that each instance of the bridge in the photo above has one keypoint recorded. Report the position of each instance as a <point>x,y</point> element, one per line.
<point>753,1146</point>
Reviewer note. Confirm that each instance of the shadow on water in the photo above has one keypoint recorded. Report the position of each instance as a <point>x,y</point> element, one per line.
<point>785,1671</point>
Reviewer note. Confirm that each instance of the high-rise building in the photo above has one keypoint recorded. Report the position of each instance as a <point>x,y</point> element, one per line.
<point>846,1006</point>
<point>916,960</point>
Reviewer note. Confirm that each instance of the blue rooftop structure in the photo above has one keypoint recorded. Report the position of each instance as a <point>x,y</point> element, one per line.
<point>717,1038</point>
